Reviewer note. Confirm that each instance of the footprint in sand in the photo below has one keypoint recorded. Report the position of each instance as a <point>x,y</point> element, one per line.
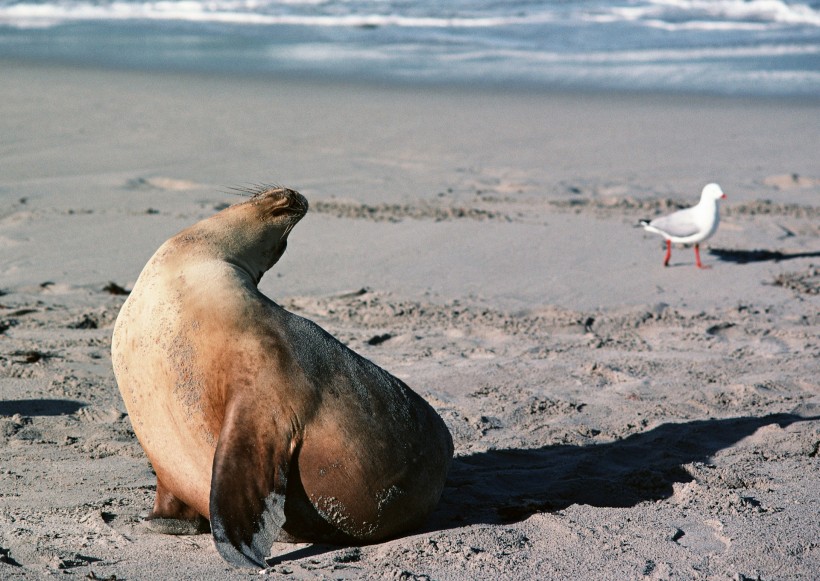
<point>706,537</point>
<point>162,183</point>
<point>790,181</point>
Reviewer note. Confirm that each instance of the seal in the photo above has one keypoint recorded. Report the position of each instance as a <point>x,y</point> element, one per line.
<point>256,418</point>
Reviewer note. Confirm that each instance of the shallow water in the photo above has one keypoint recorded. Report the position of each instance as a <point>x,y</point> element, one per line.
<point>759,47</point>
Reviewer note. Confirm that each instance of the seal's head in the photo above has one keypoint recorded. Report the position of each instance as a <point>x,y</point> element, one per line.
<point>252,235</point>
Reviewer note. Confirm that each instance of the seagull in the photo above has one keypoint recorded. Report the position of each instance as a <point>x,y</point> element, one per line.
<point>691,225</point>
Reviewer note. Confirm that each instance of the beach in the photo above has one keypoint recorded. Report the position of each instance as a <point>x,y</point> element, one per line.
<point>612,418</point>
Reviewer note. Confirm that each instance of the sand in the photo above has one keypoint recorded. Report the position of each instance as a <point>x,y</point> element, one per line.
<point>613,419</point>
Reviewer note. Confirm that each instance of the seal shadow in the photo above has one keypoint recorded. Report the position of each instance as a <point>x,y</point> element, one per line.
<point>747,256</point>
<point>40,407</point>
<point>314,550</point>
<point>507,486</point>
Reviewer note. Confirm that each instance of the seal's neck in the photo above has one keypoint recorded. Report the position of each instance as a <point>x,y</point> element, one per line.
<point>251,236</point>
<point>255,255</point>
<point>251,247</point>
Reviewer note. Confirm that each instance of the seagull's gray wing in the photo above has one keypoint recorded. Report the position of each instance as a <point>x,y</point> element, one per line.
<point>680,224</point>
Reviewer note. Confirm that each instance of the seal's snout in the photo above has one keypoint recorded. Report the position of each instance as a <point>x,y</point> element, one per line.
<point>296,202</point>
<point>281,202</point>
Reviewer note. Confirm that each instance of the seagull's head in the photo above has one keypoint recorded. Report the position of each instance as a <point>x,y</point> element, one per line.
<point>712,192</point>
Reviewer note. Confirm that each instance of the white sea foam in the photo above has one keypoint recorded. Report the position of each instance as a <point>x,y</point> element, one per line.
<point>722,14</point>
<point>667,14</point>
<point>239,12</point>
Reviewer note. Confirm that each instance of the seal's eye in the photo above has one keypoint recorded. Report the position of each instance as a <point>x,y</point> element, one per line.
<point>279,211</point>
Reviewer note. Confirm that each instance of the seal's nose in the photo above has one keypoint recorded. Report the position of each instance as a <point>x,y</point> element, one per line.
<point>296,201</point>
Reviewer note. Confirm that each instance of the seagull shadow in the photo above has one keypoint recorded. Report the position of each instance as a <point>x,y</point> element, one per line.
<point>39,407</point>
<point>747,256</point>
<point>506,486</point>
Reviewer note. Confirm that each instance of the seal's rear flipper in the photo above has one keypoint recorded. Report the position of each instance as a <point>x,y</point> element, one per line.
<point>248,486</point>
<point>171,516</point>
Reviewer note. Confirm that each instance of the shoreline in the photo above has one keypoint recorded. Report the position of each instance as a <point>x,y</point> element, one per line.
<point>384,83</point>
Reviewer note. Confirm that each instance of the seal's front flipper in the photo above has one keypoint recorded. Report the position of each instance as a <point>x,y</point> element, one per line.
<point>248,486</point>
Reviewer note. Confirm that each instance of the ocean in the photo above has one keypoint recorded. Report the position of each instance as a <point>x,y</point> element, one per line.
<point>733,47</point>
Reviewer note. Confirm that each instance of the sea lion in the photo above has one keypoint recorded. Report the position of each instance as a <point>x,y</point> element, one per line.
<point>256,418</point>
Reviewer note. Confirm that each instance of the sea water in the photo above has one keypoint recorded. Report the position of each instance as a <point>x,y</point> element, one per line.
<point>757,47</point>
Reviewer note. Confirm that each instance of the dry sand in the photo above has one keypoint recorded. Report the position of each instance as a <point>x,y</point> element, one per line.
<point>613,419</point>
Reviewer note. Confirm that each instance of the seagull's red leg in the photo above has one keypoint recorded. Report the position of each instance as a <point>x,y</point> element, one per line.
<point>668,253</point>
<point>697,257</point>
